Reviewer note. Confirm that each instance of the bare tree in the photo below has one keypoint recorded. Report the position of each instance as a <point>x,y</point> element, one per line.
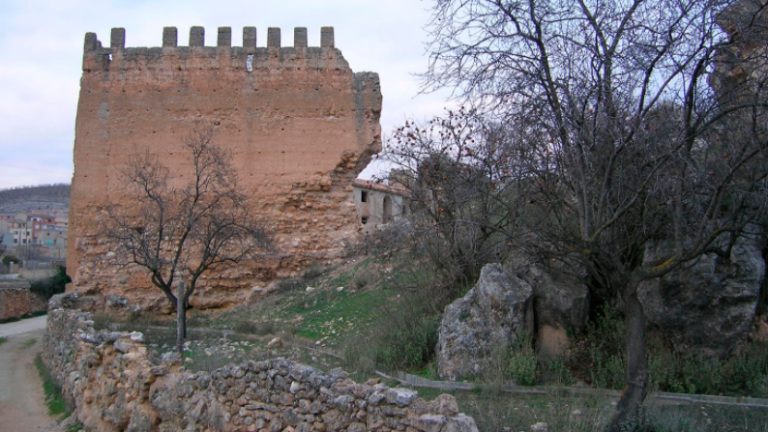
<point>179,229</point>
<point>458,195</point>
<point>617,140</point>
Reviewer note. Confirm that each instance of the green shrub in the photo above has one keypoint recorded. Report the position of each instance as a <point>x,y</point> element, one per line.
<point>598,356</point>
<point>10,259</point>
<point>55,284</point>
<point>521,364</point>
<point>745,373</point>
<point>408,344</point>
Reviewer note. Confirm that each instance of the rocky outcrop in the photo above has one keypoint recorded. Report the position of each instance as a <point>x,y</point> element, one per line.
<point>709,304</point>
<point>490,318</point>
<point>115,387</point>
<point>560,304</point>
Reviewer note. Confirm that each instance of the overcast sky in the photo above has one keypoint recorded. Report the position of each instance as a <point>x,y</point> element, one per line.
<point>41,46</point>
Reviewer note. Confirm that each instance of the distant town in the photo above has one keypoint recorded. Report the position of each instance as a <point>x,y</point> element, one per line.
<point>34,222</point>
<point>36,235</point>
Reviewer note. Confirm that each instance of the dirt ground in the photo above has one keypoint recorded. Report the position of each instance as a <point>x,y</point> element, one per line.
<point>22,402</point>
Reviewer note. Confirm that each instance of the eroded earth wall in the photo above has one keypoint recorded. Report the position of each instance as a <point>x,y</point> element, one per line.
<point>299,123</point>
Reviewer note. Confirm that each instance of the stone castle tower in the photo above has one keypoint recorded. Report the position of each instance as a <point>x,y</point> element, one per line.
<point>300,124</point>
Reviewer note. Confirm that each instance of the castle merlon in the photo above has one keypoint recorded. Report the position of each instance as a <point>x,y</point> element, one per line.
<point>170,37</point>
<point>273,37</point>
<point>224,38</point>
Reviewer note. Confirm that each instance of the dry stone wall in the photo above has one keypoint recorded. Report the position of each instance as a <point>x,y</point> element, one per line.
<point>16,300</point>
<point>299,123</point>
<point>115,387</point>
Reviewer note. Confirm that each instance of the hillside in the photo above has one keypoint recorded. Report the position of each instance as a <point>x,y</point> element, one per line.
<point>42,197</point>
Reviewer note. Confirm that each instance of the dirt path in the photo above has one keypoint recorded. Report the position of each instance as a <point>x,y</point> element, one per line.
<point>22,402</point>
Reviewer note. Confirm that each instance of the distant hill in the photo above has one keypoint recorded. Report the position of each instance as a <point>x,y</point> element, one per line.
<point>42,197</point>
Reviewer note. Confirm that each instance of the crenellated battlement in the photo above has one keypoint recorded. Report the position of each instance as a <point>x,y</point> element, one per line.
<point>299,123</point>
<point>98,57</point>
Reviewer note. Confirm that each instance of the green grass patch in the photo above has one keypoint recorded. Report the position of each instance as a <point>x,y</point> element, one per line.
<point>30,343</point>
<point>57,405</point>
<point>3,340</point>
<point>330,313</point>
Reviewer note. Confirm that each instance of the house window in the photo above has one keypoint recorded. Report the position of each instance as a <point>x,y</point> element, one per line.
<point>364,220</point>
<point>363,197</point>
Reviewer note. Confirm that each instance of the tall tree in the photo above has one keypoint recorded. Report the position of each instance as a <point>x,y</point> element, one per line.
<point>179,229</point>
<point>617,140</point>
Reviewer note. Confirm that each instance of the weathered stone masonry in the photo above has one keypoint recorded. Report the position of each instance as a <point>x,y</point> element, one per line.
<point>16,300</point>
<point>116,388</point>
<point>300,124</point>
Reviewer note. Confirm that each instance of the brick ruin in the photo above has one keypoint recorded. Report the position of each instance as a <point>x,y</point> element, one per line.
<point>300,124</point>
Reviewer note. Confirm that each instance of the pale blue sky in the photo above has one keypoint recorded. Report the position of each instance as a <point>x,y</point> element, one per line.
<point>41,52</point>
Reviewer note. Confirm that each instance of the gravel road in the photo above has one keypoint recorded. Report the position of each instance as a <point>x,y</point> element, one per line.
<point>22,402</point>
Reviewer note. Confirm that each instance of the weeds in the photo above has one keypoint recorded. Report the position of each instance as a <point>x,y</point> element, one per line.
<point>314,271</point>
<point>57,405</point>
<point>254,328</point>
<point>409,342</point>
<point>364,279</point>
<point>29,343</point>
<point>745,373</point>
<point>521,366</point>
<point>3,340</point>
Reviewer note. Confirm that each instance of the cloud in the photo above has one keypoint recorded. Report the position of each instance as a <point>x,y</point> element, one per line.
<point>41,52</point>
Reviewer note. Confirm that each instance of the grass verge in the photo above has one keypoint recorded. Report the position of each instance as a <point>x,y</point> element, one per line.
<point>54,400</point>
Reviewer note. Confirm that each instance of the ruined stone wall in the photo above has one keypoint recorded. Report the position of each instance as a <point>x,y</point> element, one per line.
<point>300,124</point>
<point>16,300</point>
<point>116,388</point>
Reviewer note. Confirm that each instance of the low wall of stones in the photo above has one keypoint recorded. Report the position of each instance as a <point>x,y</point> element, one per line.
<point>115,387</point>
<point>16,300</point>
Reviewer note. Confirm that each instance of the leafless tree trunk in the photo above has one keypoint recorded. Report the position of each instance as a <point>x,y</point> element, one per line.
<point>181,318</point>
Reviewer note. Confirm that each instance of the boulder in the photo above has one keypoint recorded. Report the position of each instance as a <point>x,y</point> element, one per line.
<point>560,304</point>
<point>708,305</point>
<point>492,316</point>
